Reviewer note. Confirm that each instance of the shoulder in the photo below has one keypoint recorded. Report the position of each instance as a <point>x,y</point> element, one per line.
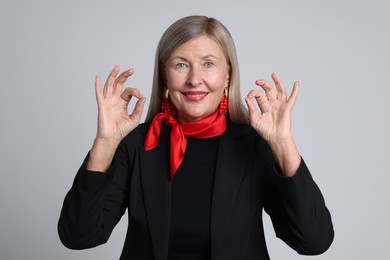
<point>137,136</point>
<point>245,134</point>
<point>241,131</point>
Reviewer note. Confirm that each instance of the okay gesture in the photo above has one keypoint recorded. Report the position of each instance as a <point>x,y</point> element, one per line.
<point>273,121</point>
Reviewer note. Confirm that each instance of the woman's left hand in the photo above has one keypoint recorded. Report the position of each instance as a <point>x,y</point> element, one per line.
<point>273,121</point>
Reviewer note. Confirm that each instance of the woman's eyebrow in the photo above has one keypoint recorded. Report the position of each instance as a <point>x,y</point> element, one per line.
<point>178,57</point>
<point>208,56</point>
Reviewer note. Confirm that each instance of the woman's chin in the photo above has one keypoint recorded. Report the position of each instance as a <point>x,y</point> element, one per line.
<point>190,117</point>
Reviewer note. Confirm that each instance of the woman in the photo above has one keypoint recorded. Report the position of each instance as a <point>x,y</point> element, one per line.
<point>196,176</point>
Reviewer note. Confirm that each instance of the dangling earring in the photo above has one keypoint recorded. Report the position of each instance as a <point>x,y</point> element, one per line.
<point>166,104</point>
<point>224,105</point>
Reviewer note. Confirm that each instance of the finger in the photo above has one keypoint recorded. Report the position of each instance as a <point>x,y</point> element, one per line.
<point>279,87</point>
<point>269,90</point>
<point>130,92</point>
<point>121,80</point>
<point>261,99</point>
<point>98,89</point>
<point>251,107</point>
<point>253,112</point>
<point>294,94</point>
<point>138,109</point>
<point>110,81</point>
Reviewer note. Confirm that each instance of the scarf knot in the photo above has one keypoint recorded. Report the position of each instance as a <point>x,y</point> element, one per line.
<point>211,126</point>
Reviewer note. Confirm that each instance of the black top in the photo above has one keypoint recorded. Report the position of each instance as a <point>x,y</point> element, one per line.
<point>246,182</point>
<point>192,188</point>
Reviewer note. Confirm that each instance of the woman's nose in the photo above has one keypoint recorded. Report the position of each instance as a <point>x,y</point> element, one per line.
<point>195,77</point>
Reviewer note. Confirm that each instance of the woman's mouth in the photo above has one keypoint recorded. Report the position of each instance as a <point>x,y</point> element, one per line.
<point>195,96</point>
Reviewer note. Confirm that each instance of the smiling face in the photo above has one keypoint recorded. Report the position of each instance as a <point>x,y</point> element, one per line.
<point>196,75</point>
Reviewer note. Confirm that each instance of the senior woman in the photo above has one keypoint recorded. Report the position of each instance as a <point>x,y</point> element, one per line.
<point>196,176</point>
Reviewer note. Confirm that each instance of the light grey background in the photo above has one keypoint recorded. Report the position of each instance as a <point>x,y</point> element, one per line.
<point>52,50</point>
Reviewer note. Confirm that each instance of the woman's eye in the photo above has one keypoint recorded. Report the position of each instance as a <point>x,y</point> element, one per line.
<point>209,64</point>
<point>180,65</point>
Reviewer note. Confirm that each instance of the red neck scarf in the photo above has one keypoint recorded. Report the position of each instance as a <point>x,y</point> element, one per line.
<point>210,126</point>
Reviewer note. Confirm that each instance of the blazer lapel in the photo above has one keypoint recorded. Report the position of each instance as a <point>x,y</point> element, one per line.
<point>157,188</point>
<point>157,193</point>
<point>229,169</point>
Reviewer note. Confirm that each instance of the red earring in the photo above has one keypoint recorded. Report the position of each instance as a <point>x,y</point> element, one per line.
<point>166,104</point>
<point>224,105</point>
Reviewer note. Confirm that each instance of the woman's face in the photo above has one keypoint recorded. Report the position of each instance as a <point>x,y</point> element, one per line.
<point>196,75</point>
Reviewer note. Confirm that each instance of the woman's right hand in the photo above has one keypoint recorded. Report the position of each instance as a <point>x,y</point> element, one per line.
<point>114,122</point>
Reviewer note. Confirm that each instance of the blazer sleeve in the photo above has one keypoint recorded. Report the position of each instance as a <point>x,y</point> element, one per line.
<point>95,203</point>
<point>298,211</point>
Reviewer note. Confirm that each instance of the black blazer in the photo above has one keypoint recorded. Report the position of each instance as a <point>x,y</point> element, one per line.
<point>246,181</point>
